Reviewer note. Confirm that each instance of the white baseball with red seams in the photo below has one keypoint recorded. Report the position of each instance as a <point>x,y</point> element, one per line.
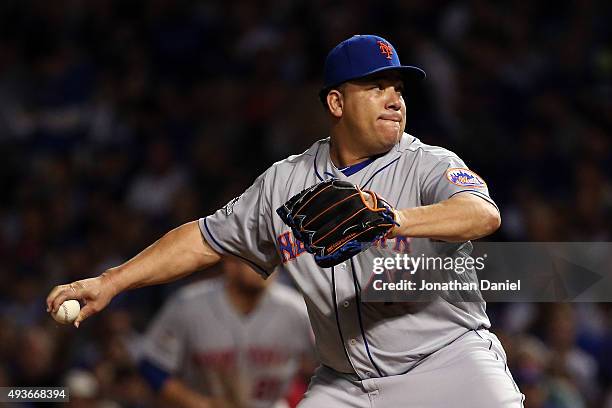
<point>67,312</point>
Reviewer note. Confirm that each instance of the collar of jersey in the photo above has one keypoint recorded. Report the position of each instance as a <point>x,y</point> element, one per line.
<point>231,312</point>
<point>324,167</point>
<point>354,168</point>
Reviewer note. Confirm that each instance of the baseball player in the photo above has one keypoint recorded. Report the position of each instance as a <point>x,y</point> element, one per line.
<point>438,354</point>
<point>238,341</point>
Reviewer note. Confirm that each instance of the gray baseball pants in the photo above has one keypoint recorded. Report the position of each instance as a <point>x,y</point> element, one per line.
<point>471,372</point>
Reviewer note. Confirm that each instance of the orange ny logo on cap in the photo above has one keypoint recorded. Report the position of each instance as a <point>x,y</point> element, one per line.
<point>385,48</point>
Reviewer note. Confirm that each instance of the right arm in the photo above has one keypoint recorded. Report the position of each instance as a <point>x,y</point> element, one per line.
<point>178,253</point>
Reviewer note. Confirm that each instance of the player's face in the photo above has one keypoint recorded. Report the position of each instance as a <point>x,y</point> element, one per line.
<point>374,111</point>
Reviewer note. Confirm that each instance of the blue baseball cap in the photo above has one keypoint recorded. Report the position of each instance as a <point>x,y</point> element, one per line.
<point>363,55</point>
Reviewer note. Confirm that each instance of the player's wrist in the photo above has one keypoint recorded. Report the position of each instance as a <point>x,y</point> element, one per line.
<point>110,282</point>
<point>400,220</point>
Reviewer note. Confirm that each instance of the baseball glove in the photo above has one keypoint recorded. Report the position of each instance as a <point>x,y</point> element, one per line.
<point>336,220</point>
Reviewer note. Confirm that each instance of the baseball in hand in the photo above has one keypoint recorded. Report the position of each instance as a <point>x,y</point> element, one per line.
<point>67,312</point>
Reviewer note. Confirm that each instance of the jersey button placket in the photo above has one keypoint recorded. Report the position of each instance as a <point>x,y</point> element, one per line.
<point>353,342</point>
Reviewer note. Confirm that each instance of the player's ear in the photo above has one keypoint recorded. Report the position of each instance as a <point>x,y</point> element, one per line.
<point>335,103</point>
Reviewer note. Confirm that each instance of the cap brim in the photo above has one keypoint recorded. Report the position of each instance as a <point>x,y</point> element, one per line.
<point>408,72</point>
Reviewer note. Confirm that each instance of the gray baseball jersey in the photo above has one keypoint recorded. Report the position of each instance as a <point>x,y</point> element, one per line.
<point>200,338</point>
<point>361,338</point>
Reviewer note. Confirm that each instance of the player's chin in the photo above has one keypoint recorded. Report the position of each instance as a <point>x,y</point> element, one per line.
<point>389,135</point>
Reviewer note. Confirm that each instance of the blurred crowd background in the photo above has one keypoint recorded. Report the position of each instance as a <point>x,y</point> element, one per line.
<point>122,119</point>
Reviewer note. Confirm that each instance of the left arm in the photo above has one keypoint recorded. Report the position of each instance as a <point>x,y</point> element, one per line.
<point>460,218</point>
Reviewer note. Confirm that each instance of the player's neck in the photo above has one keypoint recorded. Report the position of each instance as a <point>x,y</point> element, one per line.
<point>243,301</point>
<point>343,154</point>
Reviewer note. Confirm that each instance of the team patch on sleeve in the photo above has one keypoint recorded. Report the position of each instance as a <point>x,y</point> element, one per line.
<point>228,208</point>
<point>464,178</point>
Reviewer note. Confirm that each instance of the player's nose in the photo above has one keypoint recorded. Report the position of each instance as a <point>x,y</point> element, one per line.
<point>393,98</point>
